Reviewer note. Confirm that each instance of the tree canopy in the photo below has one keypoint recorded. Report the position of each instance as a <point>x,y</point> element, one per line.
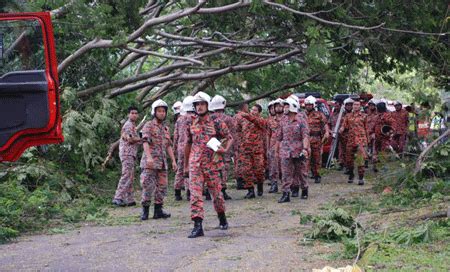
<point>154,48</point>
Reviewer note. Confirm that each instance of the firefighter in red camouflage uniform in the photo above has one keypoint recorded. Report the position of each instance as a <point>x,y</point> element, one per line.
<point>128,146</point>
<point>203,165</point>
<point>157,145</point>
<point>319,133</point>
<point>355,124</point>
<point>273,156</point>
<point>372,117</point>
<point>401,121</point>
<point>250,160</point>
<point>294,150</point>
<point>179,141</point>
<point>217,105</point>
<point>383,131</point>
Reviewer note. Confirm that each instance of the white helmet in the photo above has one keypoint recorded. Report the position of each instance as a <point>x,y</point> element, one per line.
<point>295,98</point>
<point>188,105</point>
<point>372,101</point>
<point>348,100</point>
<point>201,97</point>
<point>217,103</point>
<point>293,104</point>
<point>158,103</point>
<point>278,101</point>
<point>271,103</point>
<point>397,103</point>
<point>310,100</point>
<point>177,107</point>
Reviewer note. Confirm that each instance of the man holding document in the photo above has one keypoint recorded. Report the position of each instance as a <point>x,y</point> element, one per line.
<point>208,139</point>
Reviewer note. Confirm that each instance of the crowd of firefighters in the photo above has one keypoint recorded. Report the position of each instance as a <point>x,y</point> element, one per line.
<point>286,147</point>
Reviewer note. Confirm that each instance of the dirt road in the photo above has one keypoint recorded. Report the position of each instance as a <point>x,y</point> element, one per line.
<point>263,236</point>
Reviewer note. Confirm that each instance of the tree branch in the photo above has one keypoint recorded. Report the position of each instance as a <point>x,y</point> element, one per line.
<point>312,16</point>
<point>422,155</point>
<point>146,83</point>
<point>155,72</point>
<point>284,87</point>
<point>145,52</point>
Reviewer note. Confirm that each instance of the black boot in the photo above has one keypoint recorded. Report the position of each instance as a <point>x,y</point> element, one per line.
<point>131,204</point>
<point>197,231</point>
<point>284,198</point>
<point>351,176</point>
<point>225,195</point>
<point>273,188</point>
<point>159,213</point>
<point>304,193</point>
<point>317,179</point>
<point>188,195</point>
<point>295,191</point>
<point>251,193</point>
<point>119,203</point>
<point>178,195</point>
<point>239,184</point>
<point>145,210</point>
<point>223,224</point>
<point>361,180</point>
<point>260,189</point>
<point>207,194</point>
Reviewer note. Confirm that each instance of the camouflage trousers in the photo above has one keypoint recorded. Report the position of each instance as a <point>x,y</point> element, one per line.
<point>274,167</point>
<point>124,189</point>
<point>316,158</point>
<point>198,178</point>
<point>251,167</point>
<point>354,151</point>
<point>342,148</point>
<point>153,182</point>
<point>224,172</point>
<point>293,174</point>
<point>180,181</point>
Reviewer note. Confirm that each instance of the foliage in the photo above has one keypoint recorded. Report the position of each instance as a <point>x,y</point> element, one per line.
<point>431,184</point>
<point>407,86</point>
<point>438,163</point>
<point>334,225</point>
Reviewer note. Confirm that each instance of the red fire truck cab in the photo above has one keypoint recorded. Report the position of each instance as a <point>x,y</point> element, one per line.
<point>29,88</point>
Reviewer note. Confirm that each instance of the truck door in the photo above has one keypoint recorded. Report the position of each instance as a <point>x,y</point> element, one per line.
<point>29,88</point>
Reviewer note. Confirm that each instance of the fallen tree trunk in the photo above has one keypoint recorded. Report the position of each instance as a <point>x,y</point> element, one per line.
<point>427,150</point>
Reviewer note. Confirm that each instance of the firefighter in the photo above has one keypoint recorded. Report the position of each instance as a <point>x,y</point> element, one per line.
<point>348,107</point>
<point>401,121</point>
<point>372,116</point>
<point>273,156</point>
<point>128,146</point>
<point>383,132</point>
<point>217,105</point>
<point>179,142</point>
<point>355,125</point>
<point>157,146</point>
<point>319,132</point>
<point>294,150</point>
<point>250,160</point>
<point>176,108</point>
<point>203,165</point>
